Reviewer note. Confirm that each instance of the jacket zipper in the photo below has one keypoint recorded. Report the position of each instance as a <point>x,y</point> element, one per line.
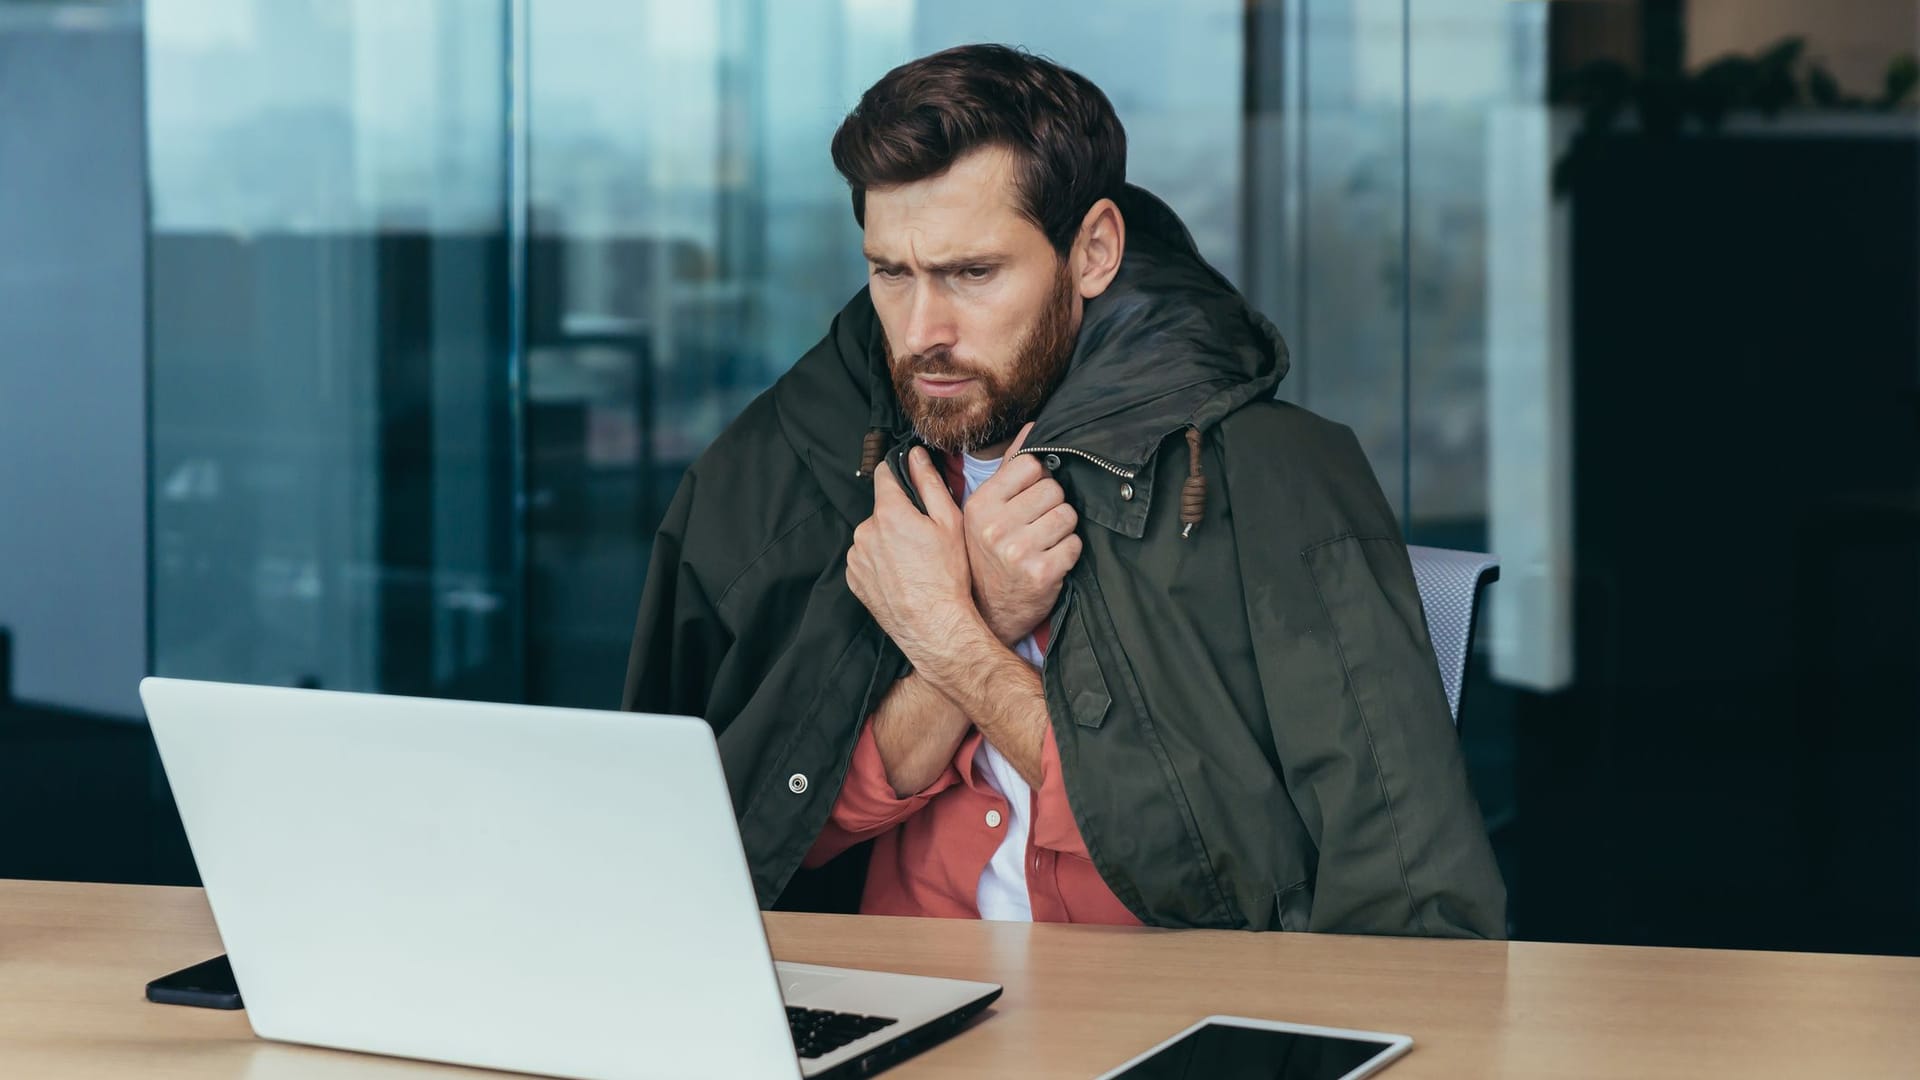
<point>1124,474</point>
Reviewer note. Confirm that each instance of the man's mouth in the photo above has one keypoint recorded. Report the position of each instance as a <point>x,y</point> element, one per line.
<point>942,386</point>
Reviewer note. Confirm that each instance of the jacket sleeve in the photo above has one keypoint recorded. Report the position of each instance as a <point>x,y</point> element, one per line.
<point>867,805</point>
<point>1360,723</point>
<point>679,640</point>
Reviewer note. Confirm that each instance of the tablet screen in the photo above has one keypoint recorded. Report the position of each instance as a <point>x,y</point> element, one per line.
<point>1227,1052</point>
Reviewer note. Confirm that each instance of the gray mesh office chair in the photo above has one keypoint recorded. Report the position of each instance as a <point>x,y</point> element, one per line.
<point>1450,584</point>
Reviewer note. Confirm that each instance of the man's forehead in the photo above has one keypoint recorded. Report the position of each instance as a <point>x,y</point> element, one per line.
<point>968,208</point>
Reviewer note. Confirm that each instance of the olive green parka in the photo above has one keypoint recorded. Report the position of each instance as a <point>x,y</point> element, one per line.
<point>1251,724</point>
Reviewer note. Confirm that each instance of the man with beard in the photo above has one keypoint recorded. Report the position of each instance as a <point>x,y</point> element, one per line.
<point>1021,597</point>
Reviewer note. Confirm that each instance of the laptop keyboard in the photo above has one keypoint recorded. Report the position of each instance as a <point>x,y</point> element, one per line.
<point>818,1031</point>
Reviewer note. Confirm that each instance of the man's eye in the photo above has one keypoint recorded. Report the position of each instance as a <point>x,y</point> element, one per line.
<point>977,273</point>
<point>889,273</point>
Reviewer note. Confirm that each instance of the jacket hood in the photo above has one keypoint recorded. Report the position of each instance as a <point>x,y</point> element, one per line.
<point>1170,345</point>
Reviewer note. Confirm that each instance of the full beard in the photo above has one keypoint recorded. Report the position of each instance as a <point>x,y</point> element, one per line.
<point>996,405</point>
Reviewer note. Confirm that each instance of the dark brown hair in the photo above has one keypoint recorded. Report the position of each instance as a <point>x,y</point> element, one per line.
<point>921,117</point>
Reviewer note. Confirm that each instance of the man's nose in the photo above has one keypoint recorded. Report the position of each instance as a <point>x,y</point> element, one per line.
<point>930,322</point>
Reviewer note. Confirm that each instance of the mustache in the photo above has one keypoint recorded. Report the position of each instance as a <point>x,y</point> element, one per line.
<point>939,363</point>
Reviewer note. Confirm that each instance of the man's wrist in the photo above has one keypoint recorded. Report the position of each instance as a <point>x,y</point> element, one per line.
<point>969,647</point>
<point>1003,635</point>
<point>1007,635</point>
<point>996,690</point>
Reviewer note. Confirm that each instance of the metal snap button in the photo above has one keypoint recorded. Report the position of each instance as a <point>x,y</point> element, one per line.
<point>993,819</point>
<point>1052,462</point>
<point>797,783</point>
<point>1126,492</point>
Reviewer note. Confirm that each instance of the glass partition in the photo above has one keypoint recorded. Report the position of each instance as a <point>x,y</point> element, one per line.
<point>334,452</point>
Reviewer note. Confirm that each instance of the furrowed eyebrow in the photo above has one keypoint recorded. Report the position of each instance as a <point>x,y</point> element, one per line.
<point>945,266</point>
<point>941,268</point>
<point>966,262</point>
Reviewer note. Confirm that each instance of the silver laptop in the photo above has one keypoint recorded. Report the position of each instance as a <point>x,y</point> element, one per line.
<point>552,891</point>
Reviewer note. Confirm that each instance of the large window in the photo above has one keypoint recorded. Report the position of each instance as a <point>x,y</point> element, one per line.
<point>333,368</point>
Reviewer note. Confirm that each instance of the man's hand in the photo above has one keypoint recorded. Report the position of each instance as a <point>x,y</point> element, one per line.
<point>1020,544</point>
<point>909,568</point>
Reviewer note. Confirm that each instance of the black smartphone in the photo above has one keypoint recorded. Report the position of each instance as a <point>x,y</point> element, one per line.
<point>208,984</point>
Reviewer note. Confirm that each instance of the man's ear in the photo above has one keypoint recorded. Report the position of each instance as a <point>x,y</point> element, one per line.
<point>1098,248</point>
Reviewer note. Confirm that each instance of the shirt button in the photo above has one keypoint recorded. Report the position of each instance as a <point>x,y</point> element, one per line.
<point>1052,462</point>
<point>1126,492</point>
<point>993,819</point>
<point>797,783</point>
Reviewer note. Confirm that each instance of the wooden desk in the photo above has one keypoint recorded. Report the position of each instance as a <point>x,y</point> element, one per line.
<point>74,959</point>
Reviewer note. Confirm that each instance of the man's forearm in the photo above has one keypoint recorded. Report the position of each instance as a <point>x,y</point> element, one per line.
<point>916,729</point>
<point>998,691</point>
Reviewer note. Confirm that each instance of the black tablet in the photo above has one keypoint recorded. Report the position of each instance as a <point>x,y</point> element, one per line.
<point>1240,1048</point>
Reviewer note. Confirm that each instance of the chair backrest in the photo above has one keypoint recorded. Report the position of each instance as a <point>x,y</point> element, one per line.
<point>1450,583</point>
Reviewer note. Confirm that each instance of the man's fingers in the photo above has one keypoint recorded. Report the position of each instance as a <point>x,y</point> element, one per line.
<point>886,487</point>
<point>1037,500</point>
<point>1016,474</point>
<point>932,486</point>
<point>856,567</point>
<point>1067,554</point>
<point>1018,441</point>
<point>1054,526</point>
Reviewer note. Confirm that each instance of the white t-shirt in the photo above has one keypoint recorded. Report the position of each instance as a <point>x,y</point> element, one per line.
<point>1002,893</point>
